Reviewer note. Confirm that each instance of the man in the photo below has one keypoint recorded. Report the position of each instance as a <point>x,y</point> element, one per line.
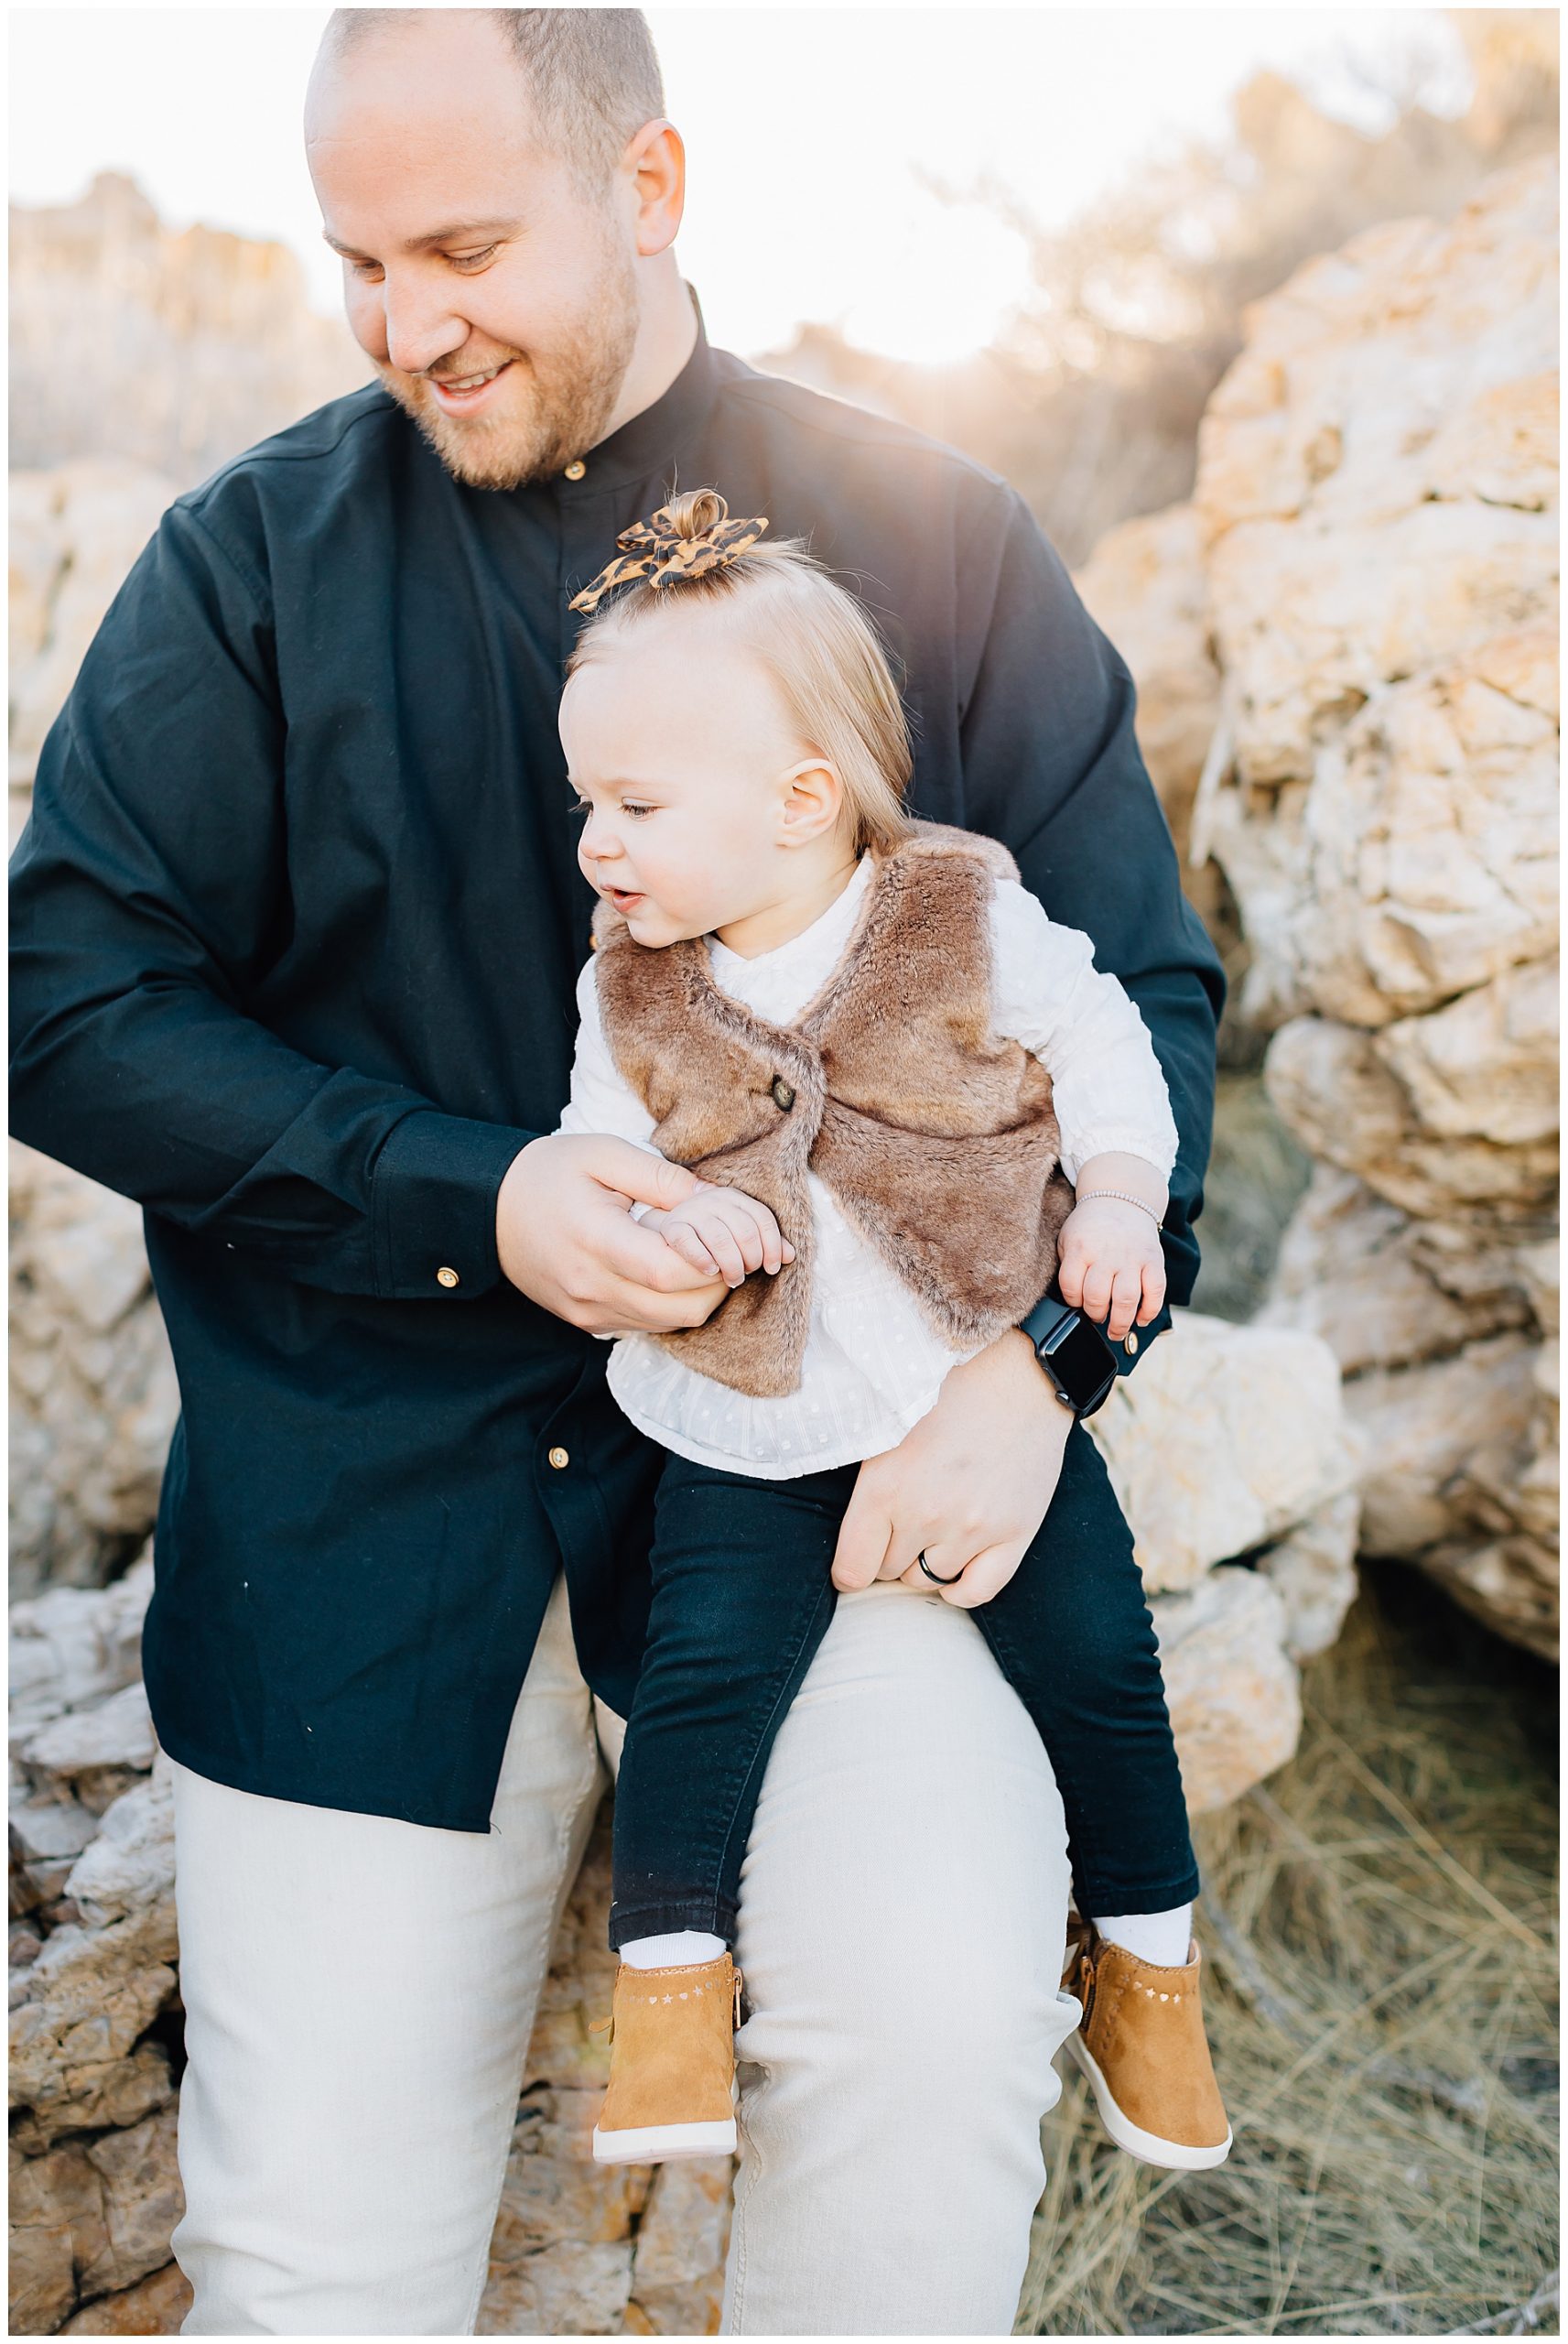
<point>296,923</point>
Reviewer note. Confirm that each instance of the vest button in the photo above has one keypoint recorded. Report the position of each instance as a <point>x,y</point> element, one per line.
<point>784,1097</point>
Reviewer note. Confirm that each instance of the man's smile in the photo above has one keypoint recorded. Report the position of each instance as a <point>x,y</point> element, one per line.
<point>467,393</point>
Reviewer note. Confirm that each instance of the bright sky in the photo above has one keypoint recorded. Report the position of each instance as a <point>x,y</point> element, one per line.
<point>805,128</point>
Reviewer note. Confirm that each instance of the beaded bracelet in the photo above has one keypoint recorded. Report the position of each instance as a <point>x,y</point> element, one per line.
<point>1123,1196</point>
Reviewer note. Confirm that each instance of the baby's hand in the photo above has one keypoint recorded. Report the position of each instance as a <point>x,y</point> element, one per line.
<point>724,1233</point>
<point>1110,1259</point>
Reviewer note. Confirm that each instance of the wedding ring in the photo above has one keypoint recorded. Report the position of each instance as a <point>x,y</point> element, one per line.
<point>934,1577</point>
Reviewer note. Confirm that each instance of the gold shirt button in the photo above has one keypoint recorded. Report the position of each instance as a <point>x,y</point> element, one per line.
<point>446,1277</point>
<point>1132,1342</point>
<point>576,468</point>
<point>560,1458</point>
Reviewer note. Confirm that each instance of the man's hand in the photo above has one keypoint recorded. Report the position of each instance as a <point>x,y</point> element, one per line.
<point>566,1237</point>
<point>970,1483</point>
<point>723,1233</point>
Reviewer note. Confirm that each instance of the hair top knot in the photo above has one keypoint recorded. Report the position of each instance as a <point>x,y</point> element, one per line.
<point>685,538</point>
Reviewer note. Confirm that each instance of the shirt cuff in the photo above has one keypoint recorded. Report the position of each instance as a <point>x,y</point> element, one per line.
<point>1077,1149</point>
<point>433,1196</point>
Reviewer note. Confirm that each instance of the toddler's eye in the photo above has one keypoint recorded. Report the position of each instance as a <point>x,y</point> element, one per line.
<point>635,811</point>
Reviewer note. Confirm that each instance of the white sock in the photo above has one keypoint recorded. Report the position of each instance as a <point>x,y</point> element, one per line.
<point>1163,1939</point>
<point>669,1952</point>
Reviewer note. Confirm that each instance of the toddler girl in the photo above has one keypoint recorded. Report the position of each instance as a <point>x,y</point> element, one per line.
<point>887,1066</point>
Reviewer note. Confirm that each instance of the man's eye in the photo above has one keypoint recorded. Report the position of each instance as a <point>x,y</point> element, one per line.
<point>472,260</point>
<point>367,271</point>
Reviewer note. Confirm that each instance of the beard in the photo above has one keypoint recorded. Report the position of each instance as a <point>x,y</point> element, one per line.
<point>557,404</point>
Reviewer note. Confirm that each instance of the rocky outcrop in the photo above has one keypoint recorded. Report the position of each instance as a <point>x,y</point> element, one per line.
<point>1144,584</point>
<point>578,2250</point>
<point>171,349</point>
<point>1231,1453</point>
<point>75,531</point>
<point>94,1398</point>
<point>1378,492</point>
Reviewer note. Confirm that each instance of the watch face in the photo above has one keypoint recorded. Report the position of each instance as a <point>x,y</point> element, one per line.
<point>1082,1362</point>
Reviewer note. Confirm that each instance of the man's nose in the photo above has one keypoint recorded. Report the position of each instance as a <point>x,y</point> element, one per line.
<point>420,329</point>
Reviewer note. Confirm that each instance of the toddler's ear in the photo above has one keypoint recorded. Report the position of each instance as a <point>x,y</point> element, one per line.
<point>812,801</point>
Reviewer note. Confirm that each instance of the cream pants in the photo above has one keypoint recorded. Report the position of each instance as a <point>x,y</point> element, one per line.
<point>359,1993</point>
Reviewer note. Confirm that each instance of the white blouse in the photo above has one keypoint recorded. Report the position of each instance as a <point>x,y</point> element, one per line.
<point>874,1364</point>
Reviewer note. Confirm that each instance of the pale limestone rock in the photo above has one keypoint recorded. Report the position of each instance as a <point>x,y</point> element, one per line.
<point>87,2000</point>
<point>207,338</point>
<point>1144,584</point>
<point>553,2189</point>
<point>48,1830</point>
<point>1233,1693</point>
<point>142,2202</point>
<point>1513,55</point>
<point>1427,1428</point>
<point>1420,859</point>
<point>129,1867</point>
<point>156,2306</point>
<point>561,2291</point>
<point>1223,1439</point>
<point>1512,1584</point>
<point>89,2218</point>
<point>79,2010</point>
<point>1378,485</point>
<point>76,531</point>
<point>87,1747</point>
<point>73,1646</point>
<point>678,2267</point>
<point>93,1394</point>
<point>1313,1569</point>
<point>1389,1106</point>
<point>1402,1290</point>
<point>57,2228</point>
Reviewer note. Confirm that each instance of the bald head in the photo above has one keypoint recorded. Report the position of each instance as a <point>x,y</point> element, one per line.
<point>589,76</point>
<point>504,192</point>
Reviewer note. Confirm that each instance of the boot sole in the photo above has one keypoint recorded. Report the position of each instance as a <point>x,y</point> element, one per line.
<point>660,2143</point>
<point>1175,2156</point>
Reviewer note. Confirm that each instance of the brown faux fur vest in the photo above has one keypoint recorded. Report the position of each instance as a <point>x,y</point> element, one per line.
<point>938,1141</point>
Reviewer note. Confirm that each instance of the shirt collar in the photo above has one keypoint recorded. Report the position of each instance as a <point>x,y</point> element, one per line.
<point>647,445</point>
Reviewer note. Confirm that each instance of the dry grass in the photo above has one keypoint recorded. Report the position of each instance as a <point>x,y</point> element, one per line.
<point>1379,1922</point>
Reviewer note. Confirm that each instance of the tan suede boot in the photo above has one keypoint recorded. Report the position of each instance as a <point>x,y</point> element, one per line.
<point>1142,2047</point>
<point>672,2065</point>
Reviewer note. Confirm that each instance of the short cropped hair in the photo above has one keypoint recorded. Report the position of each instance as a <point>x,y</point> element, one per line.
<point>592,73</point>
<point>817,644</point>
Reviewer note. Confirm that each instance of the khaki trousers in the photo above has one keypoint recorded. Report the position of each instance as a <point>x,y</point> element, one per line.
<point>360,1994</point>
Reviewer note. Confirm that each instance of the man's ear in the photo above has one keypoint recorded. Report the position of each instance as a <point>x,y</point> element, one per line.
<point>654,163</point>
<point>812,802</point>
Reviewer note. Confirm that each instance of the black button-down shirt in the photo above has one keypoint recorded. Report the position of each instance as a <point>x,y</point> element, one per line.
<point>297,921</point>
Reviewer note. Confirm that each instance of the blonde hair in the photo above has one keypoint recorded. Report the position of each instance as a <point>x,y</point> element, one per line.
<point>820,647</point>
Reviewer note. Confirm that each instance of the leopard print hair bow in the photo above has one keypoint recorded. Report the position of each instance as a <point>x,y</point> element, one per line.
<point>655,549</point>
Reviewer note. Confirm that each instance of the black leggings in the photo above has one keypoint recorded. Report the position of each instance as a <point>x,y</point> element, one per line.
<point>741,1601</point>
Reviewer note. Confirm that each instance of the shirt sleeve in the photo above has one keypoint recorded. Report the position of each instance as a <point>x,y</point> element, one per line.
<point>148,895</point>
<point>601,1098</point>
<point>1086,1034</point>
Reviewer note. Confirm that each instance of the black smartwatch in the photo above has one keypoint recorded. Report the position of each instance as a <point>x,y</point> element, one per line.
<point>1077,1357</point>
